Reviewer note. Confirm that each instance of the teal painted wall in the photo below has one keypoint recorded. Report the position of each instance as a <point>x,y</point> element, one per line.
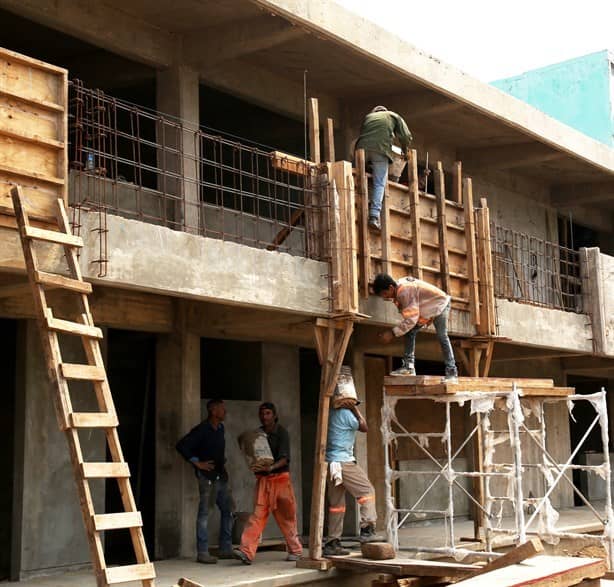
<point>577,92</point>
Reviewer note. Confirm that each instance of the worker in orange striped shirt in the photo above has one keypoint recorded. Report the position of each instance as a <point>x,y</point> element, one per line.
<point>419,303</point>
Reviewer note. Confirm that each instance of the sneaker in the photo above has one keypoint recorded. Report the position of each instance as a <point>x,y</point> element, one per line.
<point>404,371</point>
<point>206,559</point>
<point>367,534</point>
<point>240,555</point>
<point>334,548</point>
<point>225,554</point>
<point>374,223</point>
<point>293,557</point>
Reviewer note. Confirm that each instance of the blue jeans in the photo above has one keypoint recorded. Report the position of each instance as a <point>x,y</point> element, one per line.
<point>441,328</point>
<point>223,499</point>
<point>379,175</point>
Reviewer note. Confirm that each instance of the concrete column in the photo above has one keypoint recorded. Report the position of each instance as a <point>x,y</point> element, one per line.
<point>177,411</point>
<point>177,94</point>
<point>281,385</point>
<point>49,531</point>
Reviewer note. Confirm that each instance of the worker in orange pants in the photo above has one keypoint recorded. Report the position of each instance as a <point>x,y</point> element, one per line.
<point>273,493</point>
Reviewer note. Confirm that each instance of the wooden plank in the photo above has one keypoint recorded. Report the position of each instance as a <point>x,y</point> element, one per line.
<point>290,163</point>
<point>75,328</point>
<point>30,80</point>
<point>329,141</point>
<point>522,552</point>
<point>52,280</point>
<point>183,582</point>
<point>404,567</point>
<point>363,205</point>
<point>93,420</point>
<point>82,372</point>
<point>105,470</point>
<point>129,573</point>
<point>472,268</point>
<point>385,233</point>
<point>488,274</point>
<point>493,381</point>
<point>117,521</point>
<point>352,241</point>
<point>43,104</point>
<point>414,202</point>
<point>315,565</point>
<point>440,192</point>
<point>29,174</point>
<point>52,236</point>
<point>452,388</point>
<point>457,186</point>
<point>314,129</point>
<point>541,571</point>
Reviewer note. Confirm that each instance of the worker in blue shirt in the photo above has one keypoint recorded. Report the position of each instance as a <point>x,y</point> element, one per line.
<point>204,447</point>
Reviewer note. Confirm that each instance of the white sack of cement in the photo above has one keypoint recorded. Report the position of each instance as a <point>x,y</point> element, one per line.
<point>255,447</point>
<point>345,387</point>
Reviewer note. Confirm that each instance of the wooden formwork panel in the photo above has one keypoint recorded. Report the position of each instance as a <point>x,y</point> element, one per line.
<point>33,135</point>
<point>400,235</point>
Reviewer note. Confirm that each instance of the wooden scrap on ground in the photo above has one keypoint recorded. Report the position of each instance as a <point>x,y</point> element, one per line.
<point>377,550</point>
<point>187,583</point>
<point>541,571</point>
<point>404,567</point>
<point>523,552</point>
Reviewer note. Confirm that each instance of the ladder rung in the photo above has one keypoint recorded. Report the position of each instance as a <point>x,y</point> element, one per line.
<point>93,420</point>
<point>117,521</point>
<point>130,573</point>
<point>105,470</point>
<point>83,372</point>
<point>64,282</point>
<point>53,236</point>
<point>73,328</point>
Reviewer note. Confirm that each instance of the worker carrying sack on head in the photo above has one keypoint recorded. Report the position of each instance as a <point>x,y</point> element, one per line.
<point>420,303</point>
<point>273,492</point>
<point>379,128</point>
<point>344,474</point>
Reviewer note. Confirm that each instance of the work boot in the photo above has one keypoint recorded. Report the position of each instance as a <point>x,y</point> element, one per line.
<point>374,223</point>
<point>225,554</point>
<point>240,555</point>
<point>367,534</point>
<point>206,558</point>
<point>406,368</point>
<point>292,557</point>
<point>333,548</point>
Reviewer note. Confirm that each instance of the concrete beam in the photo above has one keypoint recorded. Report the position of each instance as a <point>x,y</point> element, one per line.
<point>209,47</point>
<point>101,25</point>
<point>335,23</point>
<point>264,88</point>
<point>582,194</point>
<point>509,156</point>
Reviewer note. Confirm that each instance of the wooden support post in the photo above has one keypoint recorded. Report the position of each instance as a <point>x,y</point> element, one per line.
<point>329,141</point>
<point>457,186</point>
<point>385,233</point>
<point>314,130</point>
<point>363,207</point>
<point>442,226</point>
<point>352,244</point>
<point>488,274</point>
<point>472,267</point>
<point>332,343</point>
<point>414,205</point>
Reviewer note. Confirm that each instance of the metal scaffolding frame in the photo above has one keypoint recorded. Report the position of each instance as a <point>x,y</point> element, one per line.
<point>541,517</point>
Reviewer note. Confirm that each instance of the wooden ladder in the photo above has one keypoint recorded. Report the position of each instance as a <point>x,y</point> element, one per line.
<point>71,422</point>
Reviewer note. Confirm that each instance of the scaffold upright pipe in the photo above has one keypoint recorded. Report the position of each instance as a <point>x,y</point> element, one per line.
<point>515,418</point>
<point>608,529</point>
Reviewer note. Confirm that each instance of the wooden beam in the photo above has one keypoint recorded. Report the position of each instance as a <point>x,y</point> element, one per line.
<point>520,553</point>
<point>329,141</point>
<point>385,232</point>
<point>414,206</point>
<point>314,129</point>
<point>472,267</point>
<point>363,207</point>
<point>457,186</point>
<point>442,227</point>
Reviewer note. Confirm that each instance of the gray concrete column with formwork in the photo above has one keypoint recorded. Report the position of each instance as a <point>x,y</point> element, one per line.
<point>177,94</point>
<point>48,525</point>
<point>177,411</point>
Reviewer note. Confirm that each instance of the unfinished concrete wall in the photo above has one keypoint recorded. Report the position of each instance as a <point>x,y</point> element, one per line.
<point>598,270</point>
<point>50,530</point>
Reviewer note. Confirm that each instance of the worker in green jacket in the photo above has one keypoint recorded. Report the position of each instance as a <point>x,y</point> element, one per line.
<point>379,128</point>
